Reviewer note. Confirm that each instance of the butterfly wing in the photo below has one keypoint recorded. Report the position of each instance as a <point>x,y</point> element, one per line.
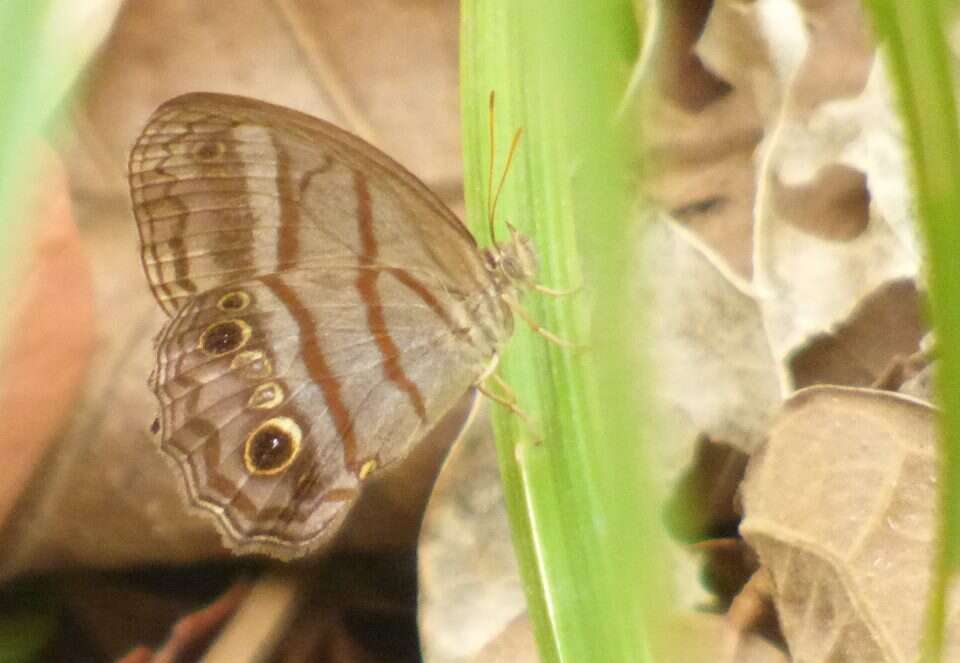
<point>225,188</point>
<point>326,308</point>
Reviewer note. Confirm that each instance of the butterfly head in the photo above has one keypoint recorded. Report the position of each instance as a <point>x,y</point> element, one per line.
<point>514,263</point>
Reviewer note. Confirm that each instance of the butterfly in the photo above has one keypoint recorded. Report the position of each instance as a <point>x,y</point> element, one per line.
<point>325,310</point>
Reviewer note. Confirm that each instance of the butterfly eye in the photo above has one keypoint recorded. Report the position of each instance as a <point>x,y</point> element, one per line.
<point>512,268</point>
<point>222,338</point>
<point>272,447</point>
<point>234,301</point>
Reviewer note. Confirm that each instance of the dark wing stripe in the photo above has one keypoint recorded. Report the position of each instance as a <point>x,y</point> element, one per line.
<point>410,282</point>
<point>211,458</point>
<point>306,127</point>
<point>394,172</point>
<point>316,364</point>
<point>161,286</point>
<point>288,246</point>
<point>308,176</point>
<point>367,287</point>
<point>152,189</point>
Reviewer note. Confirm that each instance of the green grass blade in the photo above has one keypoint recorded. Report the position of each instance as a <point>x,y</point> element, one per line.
<point>25,95</point>
<point>916,49</point>
<point>578,501</point>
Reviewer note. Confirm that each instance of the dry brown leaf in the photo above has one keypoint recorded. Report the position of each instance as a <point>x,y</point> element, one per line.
<point>887,324</point>
<point>840,506</point>
<point>106,497</point>
<point>838,56</point>
<point>74,31</point>
<point>728,566</point>
<point>713,84</point>
<point>701,505</point>
<point>363,66</point>
<point>110,615</point>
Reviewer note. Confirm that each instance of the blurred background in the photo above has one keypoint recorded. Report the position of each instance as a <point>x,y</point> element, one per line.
<point>778,262</point>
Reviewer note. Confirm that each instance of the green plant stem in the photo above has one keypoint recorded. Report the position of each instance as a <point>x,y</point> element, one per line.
<point>578,500</point>
<point>913,36</point>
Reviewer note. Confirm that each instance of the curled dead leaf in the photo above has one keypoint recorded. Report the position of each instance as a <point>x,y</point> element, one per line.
<point>886,325</point>
<point>840,506</point>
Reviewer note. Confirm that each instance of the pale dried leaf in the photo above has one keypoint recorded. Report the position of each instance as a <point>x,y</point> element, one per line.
<point>515,644</point>
<point>713,366</point>
<point>840,506</point>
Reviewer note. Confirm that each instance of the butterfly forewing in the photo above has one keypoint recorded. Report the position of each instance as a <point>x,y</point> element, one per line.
<point>225,187</point>
<point>326,310</point>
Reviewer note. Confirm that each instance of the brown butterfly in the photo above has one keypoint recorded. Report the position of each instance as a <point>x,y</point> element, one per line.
<point>326,309</point>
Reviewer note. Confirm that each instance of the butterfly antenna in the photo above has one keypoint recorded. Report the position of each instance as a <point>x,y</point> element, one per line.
<point>503,177</point>
<point>490,125</point>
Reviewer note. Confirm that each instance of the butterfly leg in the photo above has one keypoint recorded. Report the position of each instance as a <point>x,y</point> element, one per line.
<point>507,390</point>
<point>509,397</point>
<point>555,292</point>
<point>536,328</point>
<point>508,401</point>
